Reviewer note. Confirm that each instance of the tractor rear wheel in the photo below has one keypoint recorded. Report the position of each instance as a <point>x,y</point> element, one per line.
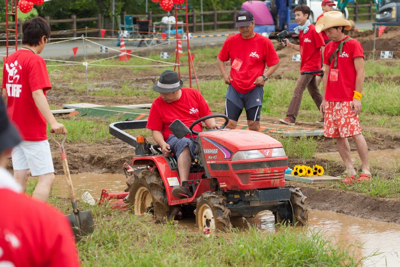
<point>147,194</point>
<point>295,211</point>
<point>211,212</point>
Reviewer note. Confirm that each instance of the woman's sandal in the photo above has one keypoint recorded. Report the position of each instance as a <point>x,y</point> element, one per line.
<point>349,179</point>
<point>364,177</point>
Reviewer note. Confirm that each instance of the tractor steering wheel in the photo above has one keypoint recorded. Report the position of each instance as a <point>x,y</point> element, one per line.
<point>206,118</point>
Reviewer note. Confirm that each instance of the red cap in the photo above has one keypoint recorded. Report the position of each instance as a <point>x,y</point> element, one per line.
<point>328,3</point>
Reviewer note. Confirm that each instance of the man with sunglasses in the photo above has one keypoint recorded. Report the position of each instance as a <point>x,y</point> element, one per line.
<point>249,53</point>
<point>25,84</point>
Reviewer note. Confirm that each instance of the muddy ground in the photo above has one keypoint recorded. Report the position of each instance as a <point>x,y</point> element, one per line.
<point>108,157</point>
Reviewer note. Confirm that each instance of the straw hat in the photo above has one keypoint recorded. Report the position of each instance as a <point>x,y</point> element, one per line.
<point>332,19</point>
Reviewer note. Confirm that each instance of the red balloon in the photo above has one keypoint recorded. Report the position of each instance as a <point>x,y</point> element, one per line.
<point>155,1</point>
<point>25,6</point>
<point>166,5</point>
<point>178,2</point>
<point>37,2</point>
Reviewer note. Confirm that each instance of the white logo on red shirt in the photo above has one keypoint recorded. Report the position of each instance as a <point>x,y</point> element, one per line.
<point>254,54</point>
<point>344,54</point>
<point>193,111</point>
<point>12,88</point>
<point>307,40</point>
<point>12,71</point>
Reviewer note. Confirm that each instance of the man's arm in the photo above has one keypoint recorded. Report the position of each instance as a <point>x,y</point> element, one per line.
<point>324,84</point>
<point>359,65</point>
<point>210,123</point>
<point>270,70</point>
<point>221,66</point>
<point>43,106</point>
<point>159,138</point>
<point>289,44</point>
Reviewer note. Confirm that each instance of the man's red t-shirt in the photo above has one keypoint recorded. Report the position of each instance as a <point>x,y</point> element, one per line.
<point>33,233</point>
<point>23,73</point>
<point>342,89</point>
<point>248,59</point>
<point>310,49</point>
<point>324,36</point>
<point>190,107</point>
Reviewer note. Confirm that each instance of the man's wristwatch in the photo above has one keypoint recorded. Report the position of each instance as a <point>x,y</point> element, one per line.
<point>264,77</point>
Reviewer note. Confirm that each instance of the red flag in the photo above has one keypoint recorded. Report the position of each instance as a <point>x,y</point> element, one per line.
<point>192,56</point>
<point>381,30</point>
<point>75,49</point>
<point>102,33</point>
<point>128,53</point>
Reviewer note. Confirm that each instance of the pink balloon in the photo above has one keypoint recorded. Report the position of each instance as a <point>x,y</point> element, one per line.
<point>25,6</point>
<point>166,5</point>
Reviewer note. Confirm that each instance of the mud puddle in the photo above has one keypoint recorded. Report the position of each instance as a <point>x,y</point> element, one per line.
<point>387,158</point>
<point>90,182</point>
<point>370,237</point>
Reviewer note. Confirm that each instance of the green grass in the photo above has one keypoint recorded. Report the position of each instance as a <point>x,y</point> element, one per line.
<point>376,187</point>
<point>86,131</point>
<point>122,239</point>
<point>299,147</point>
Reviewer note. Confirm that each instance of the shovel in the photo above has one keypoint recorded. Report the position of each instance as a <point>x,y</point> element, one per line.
<point>81,221</point>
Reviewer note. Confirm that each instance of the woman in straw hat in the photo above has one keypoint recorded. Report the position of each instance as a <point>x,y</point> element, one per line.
<point>343,84</point>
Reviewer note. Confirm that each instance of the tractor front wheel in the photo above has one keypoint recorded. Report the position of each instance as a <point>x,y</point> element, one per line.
<point>147,195</point>
<point>211,212</point>
<point>295,211</point>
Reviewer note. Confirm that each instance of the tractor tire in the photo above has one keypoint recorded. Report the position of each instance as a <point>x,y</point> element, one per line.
<point>147,194</point>
<point>211,212</point>
<point>300,206</point>
<point>295,211</point>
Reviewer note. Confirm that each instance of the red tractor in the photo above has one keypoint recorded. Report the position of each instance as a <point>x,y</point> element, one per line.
<point>237,173</point>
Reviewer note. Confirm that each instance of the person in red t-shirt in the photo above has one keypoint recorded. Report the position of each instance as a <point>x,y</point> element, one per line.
<point>249,53</point>
<point>343,85</point>
<point>32,233</point>
<point>311,44</point>
<point>185,104</point>
<point>326,5</point>
<point>25,83</point>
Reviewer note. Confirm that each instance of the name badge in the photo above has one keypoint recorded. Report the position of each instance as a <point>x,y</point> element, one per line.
<point>334,75</point>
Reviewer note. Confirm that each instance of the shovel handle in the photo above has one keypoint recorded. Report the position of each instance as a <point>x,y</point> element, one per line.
<point>65,166</point>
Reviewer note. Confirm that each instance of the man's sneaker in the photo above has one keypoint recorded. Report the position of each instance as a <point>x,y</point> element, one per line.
<point>287,122</point>
<point>181,192</point>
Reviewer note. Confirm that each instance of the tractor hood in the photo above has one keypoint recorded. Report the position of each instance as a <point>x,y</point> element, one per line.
<point>239,140</point>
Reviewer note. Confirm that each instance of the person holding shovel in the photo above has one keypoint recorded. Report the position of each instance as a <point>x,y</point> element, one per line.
<point>343,85</point>
<point>311,44</point>
<point>32,233</point>
<point>25,83</point>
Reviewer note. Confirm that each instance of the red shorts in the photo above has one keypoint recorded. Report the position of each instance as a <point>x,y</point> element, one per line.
<point>340,120</point>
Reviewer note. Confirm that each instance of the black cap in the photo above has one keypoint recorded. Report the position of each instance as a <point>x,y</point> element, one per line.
<point>169,82</point>
<point>9,136</point>
<point>244,18</point>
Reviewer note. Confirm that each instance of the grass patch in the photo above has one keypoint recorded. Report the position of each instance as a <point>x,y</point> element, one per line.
<point>299,147</point>
<point>86,131</point>
<point>121,238</point>
<point>376,187</point>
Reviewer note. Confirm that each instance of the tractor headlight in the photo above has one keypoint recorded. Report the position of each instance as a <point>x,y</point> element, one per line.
<point>278,152</point>
<point>249,154</point>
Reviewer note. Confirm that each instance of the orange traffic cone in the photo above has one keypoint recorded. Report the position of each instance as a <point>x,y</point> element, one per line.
<point>122,51</point>
<point>178,49</point>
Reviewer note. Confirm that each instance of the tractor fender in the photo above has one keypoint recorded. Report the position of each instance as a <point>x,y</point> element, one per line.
<point>169,176</point>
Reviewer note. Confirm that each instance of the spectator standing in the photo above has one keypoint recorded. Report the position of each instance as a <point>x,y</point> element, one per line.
<point>343,85</point>
<point>249,54</point>
<point>311,44</point>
